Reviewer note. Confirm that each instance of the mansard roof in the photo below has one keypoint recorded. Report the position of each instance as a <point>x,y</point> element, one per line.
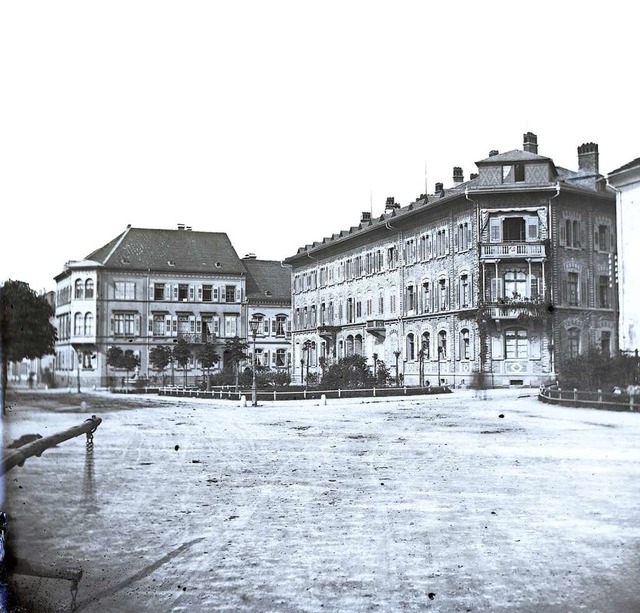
<point>268,281</point>
<point>170,251</point>
<point>515,155</point>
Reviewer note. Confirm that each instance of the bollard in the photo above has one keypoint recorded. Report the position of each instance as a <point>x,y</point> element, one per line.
<point>323,399</point>
<point>243,401</point>
<point>374,392</point>
<point>600,396</point>
<point>575,396</point>
<point>631,402</point>
<point>338,392</point>
<point>405,389</point>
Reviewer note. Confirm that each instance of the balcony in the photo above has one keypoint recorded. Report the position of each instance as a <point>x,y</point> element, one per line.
<point>515,250</point>
<point>376,327</point>
<point>328,332</point>
<point>518,308</point>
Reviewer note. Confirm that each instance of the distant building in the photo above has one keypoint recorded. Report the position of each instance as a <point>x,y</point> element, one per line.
<point>150,287</point>
<point>626,181</point>
<point>506,274</point>
<point>269,300</point>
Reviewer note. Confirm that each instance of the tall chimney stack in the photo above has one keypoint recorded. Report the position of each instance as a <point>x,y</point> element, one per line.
<point>530,142</point>
<point>439,187</point>
<point>588,159</point>
<point>458,177</point>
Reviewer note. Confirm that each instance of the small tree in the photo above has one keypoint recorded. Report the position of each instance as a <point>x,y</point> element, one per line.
<point>208,356</point>
<point>237,351</point>
<point>122,360</point>
<point>25,327</point>
<point>160,358</point>
<point>181,353</point>
<point>351,371</point>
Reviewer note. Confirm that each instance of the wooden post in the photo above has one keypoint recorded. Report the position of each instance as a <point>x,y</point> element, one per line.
<point>18,457</point>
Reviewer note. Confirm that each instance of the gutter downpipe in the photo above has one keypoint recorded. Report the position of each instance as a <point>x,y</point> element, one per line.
<point>552,348</point>
<point>480,297</point>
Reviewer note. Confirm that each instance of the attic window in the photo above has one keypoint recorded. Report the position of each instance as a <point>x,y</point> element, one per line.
<point>513,173</point>
<point>171,263</point>
<point>267,293</point>
<point>218,265</point>
<point>125,260</point>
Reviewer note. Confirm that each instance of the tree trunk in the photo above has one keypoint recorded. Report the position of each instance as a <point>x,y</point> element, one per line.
<point>3,384</point>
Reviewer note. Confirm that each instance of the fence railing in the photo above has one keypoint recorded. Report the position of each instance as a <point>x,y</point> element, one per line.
<point>230,393</point>
<point>572,397</point>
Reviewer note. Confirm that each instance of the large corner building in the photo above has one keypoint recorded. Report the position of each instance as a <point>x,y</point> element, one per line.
<point>506,274</point>
<point>150,287</point>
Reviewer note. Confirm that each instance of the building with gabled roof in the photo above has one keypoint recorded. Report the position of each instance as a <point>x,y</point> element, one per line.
<point>504,274</point>
<point>146,288</point>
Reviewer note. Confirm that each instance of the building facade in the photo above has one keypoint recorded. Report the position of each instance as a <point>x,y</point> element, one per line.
<point>626,181</point>
<point>504,274</point>
<point>144,289</point>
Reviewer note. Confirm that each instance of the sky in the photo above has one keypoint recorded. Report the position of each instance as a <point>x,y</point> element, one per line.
<point>280,122</point>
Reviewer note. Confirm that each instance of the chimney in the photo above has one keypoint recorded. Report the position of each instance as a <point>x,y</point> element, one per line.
<point>188,228</point>
<point>180,226</point>
<point>250,256</point>
<point>439,187</point>
<point>366,216</point>
<point>493,152</point>
<point>391,204</point>
<point>473,175</point>
<point>458,177</point>
<point>530,142</point>
<point>588,159</point>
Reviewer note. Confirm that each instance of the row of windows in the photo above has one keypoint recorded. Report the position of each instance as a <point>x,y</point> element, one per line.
<point>184,292</point>
<point>425,298</point>
<point>575,291</point>
<point>280,358</point>
<point>276,326</point>
<point>573,342</point>
<point>128,324</point>
<point>423,248</point>
<point>573,236</point>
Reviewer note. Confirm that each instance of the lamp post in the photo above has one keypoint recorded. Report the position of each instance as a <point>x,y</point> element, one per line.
<point>78,354</point>
<point>307,346</point>
<point>439,354</point>
<point>301,371</point>
<point>421,360</point>
<point>397,354</point>
<point>375,368</point>
<point>253,324</point>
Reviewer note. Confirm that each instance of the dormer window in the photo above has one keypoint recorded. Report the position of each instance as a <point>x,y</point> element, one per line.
<point>513,173</point>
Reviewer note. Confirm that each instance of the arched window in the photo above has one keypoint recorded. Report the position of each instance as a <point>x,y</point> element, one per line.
<point>442,345</point>
<point>88,289</point>
<point>349,346</point>
<point>79,293</point>
<point>411,347</point>
<point>573,342</point>
<point>465,347</point>
<point>357,347</point>
<point>426,345</point>
<point>340,349</point>
<point>88,324</point>
<point>516,344</point>
<point>77,324</point>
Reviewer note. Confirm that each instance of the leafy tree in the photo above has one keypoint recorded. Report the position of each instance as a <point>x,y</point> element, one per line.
<point>25,327</point>
<point>237,351</point>
<point>122,360</point>
<point>351,371</point>
<point>182,351</point>
<point>382,374</point>
<point>160,357</point>
<point>595,370</point>
<point>208,356</point>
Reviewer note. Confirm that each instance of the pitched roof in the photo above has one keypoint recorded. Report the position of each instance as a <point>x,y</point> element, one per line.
<point>170,251</point>
<point>268,281</point>
<point>627,166</point>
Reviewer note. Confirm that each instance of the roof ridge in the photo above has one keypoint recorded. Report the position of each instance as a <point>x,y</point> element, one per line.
<point>118,243</point>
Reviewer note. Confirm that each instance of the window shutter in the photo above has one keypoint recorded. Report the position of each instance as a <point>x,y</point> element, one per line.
<point>112,325</point>
<point>532,228</point>
<point>273,358</point>
<point>216,326</point>
<point>151,294</point>
<point>584,290</point>
<point>137,324</point>
<point>273,327</point>
<point>215,294</point>
<point>469,236</point>
<point>564,296</point>
<point>496,348</point>
<point>471,291</point>
<point>495,230</point>
<point>494,289</point>
<point>238,294</point>
<point>562,239</point>
<point>191,293</point>
<point>167,325</point>
<point>534,347</point>
<point>583,235</point>
<point>150,327</point>
<point>459,293</point>
<point>472,346</point>
<point>266,326</point>
<point>175,291</point>
<point>199,293</point>
<point>596,240</point>
<point>455,240</point>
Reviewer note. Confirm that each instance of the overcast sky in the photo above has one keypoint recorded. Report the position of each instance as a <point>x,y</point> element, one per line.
<point>279,122</point>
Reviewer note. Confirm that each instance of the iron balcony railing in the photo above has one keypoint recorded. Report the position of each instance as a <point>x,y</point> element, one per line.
<point>512,250</point>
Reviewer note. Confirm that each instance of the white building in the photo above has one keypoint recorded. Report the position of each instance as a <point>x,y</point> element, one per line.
<point>626,181</point>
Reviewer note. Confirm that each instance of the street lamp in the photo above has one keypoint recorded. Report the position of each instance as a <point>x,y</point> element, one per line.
<point>397,354</point>
<point>78,356</point>
<point>253,324</point>
<point>421,358</point>
<point>375,368</point>
<point>307,346</point>
<point>439,354</point>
